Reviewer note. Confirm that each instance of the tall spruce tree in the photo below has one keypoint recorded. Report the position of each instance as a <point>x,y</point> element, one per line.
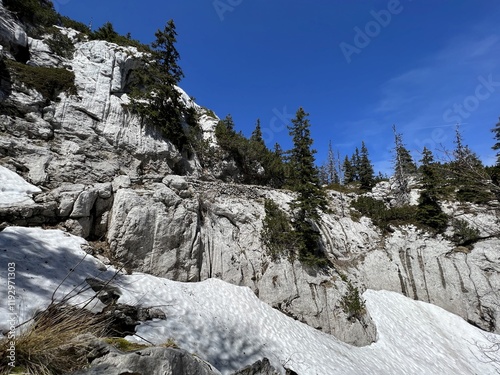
<point>365,169</point>
<point>404,167</point>
<point>468,173</point>
<point>348,170</point>
<point>429,211</point>
<point>154,96</point>
<point>496,146</point>
<point>305,181</point>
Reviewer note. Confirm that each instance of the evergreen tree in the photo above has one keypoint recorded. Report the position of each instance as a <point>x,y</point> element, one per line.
<point>155,97</point>
<point>305,181</point>
<point>348,170</point>
<point>468,173</point>
<point>496,146</point>
<point>331,166</point>
<point>355,162</point>
<point>404,167</point>
<point>365,169</point>
<point>429,211</point>
<point>257,134</point>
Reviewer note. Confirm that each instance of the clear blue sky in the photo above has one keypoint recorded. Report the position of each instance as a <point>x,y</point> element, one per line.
<point>357,67</point>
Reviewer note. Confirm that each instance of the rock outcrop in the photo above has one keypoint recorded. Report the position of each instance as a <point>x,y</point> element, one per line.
<point>104,176</point>
<point>155,360</point>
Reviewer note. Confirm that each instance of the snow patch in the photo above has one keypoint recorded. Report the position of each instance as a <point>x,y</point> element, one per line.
<point>14,190</point>
<point>230,327</point>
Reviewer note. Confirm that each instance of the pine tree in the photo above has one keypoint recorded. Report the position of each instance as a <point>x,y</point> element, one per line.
<point>257,134</point>
<point>348,171</point>
<point>155,97</point>
<point>305,181</point>
<point>365,169</point>
<point>496,146</point>
<point>468,173</point>
<point>355,162</point>
<point>404,167</point>
<point>331,166</point>
<point>429,211</point>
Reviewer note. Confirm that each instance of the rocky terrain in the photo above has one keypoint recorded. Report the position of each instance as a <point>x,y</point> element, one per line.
<point>142,205</point>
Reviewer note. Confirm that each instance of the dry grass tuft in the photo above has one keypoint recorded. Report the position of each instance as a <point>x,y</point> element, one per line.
<point>55,341</point>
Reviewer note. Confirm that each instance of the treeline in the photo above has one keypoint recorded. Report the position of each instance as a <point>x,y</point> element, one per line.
<point>39,17</point>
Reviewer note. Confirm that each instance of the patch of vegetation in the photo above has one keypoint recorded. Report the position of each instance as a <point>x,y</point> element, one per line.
<point>55,342</point>
<point>383,216</point>
<point>277,234</point>
<point>35,14</point>
<point>170,343</point>
<point>463,233</point>
<point>49,82</point>
<point>474,194</point>
<point>59,43</point>
<point>124,345</point>
<point>108,33</point>
<point>430,214</point>
<point>210,113</point>
<point>75,25</point>
<point>352,303</point>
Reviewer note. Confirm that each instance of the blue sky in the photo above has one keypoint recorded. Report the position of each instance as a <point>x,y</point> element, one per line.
<point>357,67</point>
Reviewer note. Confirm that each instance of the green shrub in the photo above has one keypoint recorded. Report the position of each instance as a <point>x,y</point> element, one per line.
<point>124,345</point>
<point>49,82</point>
<point>430,214</point>
<point>108,33</point>
<point>277,234</point>
<point>382,216</point>
<point>75,25</point>
<point>35,13</point>
<point>463,233</point>
<point>352,303</point>
<point>60,43</point>
<point>474,194</point>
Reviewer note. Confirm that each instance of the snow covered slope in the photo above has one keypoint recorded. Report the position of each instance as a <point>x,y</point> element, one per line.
<point>230,327</point>
<point>14,190</point>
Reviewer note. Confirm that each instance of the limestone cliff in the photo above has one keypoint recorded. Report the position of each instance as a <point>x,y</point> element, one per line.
<point>111,180</point>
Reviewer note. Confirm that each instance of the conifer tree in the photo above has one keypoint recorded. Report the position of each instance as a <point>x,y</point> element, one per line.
<point>305,181</point>
<point>496,146</point>
<point>404,167</point>
<point>365,169</point>
<point>331,166</point>
<point>348,170</point>
<point>468,173</point>
<point>257,134</point>
<point>429,211</point>
<point>355,162</point>
<point>154,96</point>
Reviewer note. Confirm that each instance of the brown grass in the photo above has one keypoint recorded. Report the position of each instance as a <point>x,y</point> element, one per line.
<point>54,342</point>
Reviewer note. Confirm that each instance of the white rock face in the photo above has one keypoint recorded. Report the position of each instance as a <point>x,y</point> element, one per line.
<point>214,232</point>
<point>105,176</point>
<point>12,35</point>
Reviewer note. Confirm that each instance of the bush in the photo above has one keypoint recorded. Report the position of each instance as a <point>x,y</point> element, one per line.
<point>60,43</point>
<point>277,234</point>
<point>429,213</point>
<point>75,25</point>
<point>49,82</point>
<point>55,342</point>
<point>463,233</point>
<point>382,216</point>
<point>35,13</point>
<point>352,303</point>
<point>108,33</point>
